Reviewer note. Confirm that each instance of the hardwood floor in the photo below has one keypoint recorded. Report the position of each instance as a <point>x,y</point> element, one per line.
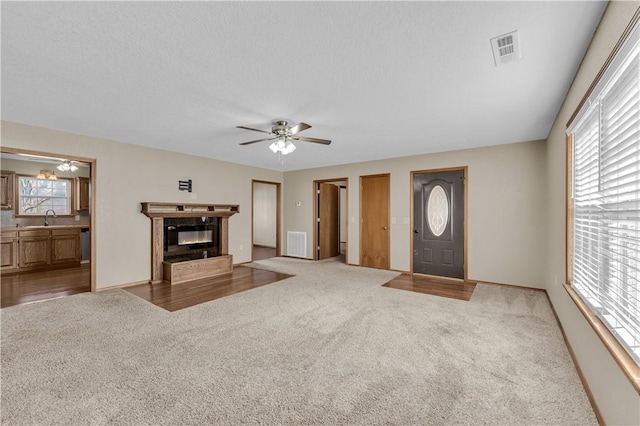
<point>28,287</point>
<point>262,252</point>
<point>43,285</point>
<point>180,296</point>
<point>428,285</point>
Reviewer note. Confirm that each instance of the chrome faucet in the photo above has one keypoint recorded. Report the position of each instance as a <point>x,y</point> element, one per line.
<point>46,216</point>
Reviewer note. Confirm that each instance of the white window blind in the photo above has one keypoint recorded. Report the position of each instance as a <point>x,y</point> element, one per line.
<point>606,198</point>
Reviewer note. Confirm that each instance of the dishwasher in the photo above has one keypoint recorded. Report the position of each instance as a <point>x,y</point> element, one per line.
<point>85,244</point>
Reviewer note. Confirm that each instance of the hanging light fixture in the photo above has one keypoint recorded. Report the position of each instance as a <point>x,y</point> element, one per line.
<point>282,145</point>
<point>47,174</point>
<point>67,166</point>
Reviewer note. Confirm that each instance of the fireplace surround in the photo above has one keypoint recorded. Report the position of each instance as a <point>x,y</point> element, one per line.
<point>189,241</point>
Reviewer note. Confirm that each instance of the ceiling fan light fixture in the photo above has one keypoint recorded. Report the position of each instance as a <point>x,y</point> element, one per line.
<point>67,166</point>
<point>282,145</point>
<point>281,135</point>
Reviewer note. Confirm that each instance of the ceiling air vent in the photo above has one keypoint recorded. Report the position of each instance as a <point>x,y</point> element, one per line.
<point>506,48</point>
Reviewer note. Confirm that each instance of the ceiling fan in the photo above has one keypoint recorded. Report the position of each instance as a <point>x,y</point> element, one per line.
<point>281,134</point>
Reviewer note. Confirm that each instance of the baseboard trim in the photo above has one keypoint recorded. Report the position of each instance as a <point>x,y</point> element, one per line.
<point>583,379</point>
<point>509,285</point>
<point>123,285</point>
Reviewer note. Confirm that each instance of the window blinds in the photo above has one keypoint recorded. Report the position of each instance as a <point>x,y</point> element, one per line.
<point>606,197</point>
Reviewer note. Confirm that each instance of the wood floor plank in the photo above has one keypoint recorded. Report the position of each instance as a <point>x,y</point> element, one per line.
<point>180,296</point>
<point>36,286</point>
<point>452,289</point>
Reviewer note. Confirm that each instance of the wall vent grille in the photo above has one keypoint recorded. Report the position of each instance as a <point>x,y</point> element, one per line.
<point>506,48</point>
<point>297,244</point>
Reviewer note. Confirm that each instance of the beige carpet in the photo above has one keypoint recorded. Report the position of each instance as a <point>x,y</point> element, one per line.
<point>328,346</point>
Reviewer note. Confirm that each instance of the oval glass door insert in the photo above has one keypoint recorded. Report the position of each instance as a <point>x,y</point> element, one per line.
<point>437,210</point>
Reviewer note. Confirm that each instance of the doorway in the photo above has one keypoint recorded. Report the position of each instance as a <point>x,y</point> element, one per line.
<point>265,219</point>
<point>330,218</point>
<point>65,262</point>
<point>374,221</point>
<point>439,223</point>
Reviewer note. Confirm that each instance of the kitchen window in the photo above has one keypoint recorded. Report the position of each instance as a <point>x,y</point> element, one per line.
<point>37,195</point>
<point>603,205</point>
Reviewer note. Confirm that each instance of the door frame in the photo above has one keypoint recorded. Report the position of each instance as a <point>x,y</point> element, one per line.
<point>278,186</point>
<point>93,216</point>
<point>388,175</point>
<point>465,173</point>
<point>316,213</point>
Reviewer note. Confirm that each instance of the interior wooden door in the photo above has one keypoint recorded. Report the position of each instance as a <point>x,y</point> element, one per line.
<point>328,221</point>
<point>374,221</point>
<point>438,235</point>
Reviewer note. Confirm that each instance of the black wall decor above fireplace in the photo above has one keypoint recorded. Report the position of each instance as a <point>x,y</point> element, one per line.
<point>191,238</point>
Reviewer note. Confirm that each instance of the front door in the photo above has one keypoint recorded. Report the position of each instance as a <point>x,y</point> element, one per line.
<point>438,220</point>
<point>374,222</point>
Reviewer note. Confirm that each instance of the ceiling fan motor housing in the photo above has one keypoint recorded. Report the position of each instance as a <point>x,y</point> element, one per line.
<point>281,128</point>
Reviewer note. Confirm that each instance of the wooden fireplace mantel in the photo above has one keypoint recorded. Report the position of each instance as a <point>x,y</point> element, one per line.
<point>153,209</point>
<point>158,211</point>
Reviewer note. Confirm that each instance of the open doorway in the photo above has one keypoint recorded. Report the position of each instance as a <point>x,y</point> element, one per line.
<point>265,219</point>
<point>48,218</point>
<point>330,218</point>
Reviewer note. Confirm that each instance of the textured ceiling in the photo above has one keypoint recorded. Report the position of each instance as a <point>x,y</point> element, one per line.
<point>380,79</point>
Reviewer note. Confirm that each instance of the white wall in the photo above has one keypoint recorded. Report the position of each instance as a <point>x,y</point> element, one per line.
<point>616,398</point>
<point>507,208</point>
<point>264,214</point>
<point>127,175</point>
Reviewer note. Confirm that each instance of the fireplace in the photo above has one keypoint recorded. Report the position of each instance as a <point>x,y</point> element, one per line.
<point>191,238</point>
<point>189,241</point>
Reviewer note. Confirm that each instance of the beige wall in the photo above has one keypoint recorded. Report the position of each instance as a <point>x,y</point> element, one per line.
<point>507,207</point>
<point>127,175</point>
<point>615,396</point>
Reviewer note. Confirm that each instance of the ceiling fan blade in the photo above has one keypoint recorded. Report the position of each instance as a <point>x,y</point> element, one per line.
<point>314,140</point>
<point>256,141</point>
<point>251,128</point>
<point>299,127</point>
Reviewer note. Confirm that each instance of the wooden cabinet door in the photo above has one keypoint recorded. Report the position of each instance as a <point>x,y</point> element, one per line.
<point>6,190</point>
<point>8,255</point>
<point>34,251</point>
<point>65,249</point>
<point>83,194</point>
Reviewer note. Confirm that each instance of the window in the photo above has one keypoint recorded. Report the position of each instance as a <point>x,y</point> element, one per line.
<point>604,197</point>
<point>36,196</point>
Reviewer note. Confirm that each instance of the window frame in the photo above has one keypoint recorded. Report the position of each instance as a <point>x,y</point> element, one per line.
<point>627,363</point>
<point>71,197</point>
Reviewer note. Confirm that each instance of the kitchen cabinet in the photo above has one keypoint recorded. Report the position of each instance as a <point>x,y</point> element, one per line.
<point>32,249</point>
<point>6,190</point>
<point>8,250</point>
<point>35,248</point>
<point>83,193</point>
<point>65,246</point>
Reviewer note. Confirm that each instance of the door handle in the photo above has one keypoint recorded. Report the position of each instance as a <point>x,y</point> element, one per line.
<point>415,231</point>
<point>385,228</point>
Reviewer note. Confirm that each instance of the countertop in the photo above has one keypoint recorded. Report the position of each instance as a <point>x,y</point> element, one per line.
<point>26,228</point>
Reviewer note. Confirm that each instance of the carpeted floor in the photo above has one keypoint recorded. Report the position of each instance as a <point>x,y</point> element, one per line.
<point>328,346</point>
